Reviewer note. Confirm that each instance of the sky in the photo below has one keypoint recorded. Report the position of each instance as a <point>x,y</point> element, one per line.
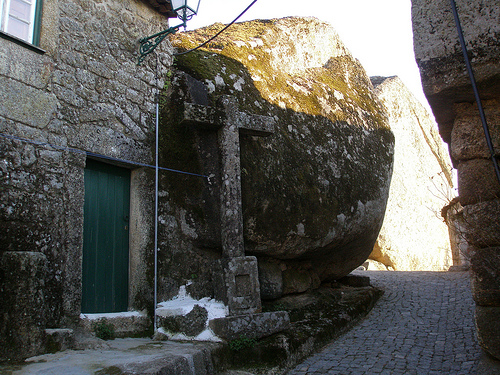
<point>377,32</point>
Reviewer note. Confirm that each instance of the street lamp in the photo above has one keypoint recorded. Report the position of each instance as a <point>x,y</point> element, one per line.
<point>185,10</point>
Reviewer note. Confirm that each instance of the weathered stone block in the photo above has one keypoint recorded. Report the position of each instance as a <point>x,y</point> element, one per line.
<point>298,280</point>
<point>468,140</point>
<point>439,56</point>
<point>477,181</point>
<point>191,324</point>
<point>23,65</point>
<point>124,325</point>
<point>193,91</point>
<point>481,224</point>
<point>252,326</point>
<point>26,104</point>
<point>237,285</point>
<point>488,329</point>
<point>270,279</point>
<point>22,310</point>
<point>485,264</point>
<point>201,116</point>
<point>59,339</point>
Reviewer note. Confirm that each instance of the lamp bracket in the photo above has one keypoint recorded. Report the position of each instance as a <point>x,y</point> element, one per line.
<point>149,43</point>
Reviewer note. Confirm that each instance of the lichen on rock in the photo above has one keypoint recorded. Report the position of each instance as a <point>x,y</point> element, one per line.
<point>316,189</point>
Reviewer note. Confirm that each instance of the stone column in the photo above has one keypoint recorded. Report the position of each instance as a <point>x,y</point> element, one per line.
<point>449,92</point>
<point>235,276</point>
<point>479,192</point>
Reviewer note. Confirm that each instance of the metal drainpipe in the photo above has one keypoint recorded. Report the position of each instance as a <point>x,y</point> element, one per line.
<point>474,87</point>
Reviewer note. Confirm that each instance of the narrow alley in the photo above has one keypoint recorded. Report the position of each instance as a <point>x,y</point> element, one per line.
<point>424,324</point>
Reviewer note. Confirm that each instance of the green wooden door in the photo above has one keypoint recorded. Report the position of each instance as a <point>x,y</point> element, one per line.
<point>105,238</point>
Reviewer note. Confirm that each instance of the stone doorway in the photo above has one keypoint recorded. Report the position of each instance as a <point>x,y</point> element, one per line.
<point>105,268</point>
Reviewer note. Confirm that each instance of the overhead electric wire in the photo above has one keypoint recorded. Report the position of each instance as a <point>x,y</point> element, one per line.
<point>475,89</point>
<point>220,32</point>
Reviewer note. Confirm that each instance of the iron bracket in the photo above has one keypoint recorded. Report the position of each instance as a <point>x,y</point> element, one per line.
<point>149,43</point>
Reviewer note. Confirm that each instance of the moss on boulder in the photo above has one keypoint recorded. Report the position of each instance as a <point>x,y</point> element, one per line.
<point>317,188</point>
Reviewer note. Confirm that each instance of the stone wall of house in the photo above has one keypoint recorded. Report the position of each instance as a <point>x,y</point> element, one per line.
<point>82,91</point>
<point>449,91</point>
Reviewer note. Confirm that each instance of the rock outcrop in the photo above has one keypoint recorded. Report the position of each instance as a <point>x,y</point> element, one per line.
<point>449,91</point>
<point>414,236</point>
<point>314,192</point>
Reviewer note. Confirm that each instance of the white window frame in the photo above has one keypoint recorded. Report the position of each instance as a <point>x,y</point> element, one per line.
<point>4,20</point>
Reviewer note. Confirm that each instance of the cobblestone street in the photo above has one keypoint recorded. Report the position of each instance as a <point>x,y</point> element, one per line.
<point>424,324</point>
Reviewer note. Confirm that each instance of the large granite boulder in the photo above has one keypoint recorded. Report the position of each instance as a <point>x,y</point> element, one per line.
<point>414,236</point>
<point>315,192</point>
<point>450,94</point>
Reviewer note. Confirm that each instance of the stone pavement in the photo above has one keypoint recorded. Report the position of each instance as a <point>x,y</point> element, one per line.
<point>424,324</point>
<point>124,356</point>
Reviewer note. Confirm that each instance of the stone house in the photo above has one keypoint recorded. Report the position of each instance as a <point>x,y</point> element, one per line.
<point>77,118</point>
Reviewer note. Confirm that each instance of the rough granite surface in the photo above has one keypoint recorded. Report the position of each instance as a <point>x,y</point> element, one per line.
<point>317,188</point>
<point>449,91</point>
<point>414,236</point>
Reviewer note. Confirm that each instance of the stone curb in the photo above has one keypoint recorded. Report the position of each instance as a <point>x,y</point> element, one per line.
<point>316,320</point>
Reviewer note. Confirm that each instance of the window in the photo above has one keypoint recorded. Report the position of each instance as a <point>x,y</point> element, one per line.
<point>21,18</point>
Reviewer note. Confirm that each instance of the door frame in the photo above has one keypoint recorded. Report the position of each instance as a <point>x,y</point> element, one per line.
<point>123,238</point>
<point>141,238</point>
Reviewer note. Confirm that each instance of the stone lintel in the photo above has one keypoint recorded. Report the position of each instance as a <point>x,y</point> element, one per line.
<point>252,326</point>
<point>255,125</point>
<point>201,117</point>
<point>236,282</point>
<point>210,118</point>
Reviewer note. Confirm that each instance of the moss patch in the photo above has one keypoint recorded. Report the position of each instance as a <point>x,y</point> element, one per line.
<point>339,90</point>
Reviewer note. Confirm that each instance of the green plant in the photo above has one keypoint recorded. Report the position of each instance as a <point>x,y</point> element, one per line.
<point>103,329</point>
<point>242,343</point>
